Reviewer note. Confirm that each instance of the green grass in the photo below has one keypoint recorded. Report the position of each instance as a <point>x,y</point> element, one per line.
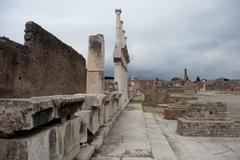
<point>148,107</point>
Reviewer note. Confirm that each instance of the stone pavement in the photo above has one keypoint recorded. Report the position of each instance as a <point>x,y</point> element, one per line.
<point>144,136</point>
<point>199,148</point>
<point>133,139</point>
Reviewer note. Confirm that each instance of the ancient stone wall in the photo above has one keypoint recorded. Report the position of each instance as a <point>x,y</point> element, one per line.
<point>14,58</point>
<point>207,119</point>
<point>174,111</point>
<point>44,65</point>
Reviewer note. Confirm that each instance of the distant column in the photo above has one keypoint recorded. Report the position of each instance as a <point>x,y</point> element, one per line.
<point>95,64</point>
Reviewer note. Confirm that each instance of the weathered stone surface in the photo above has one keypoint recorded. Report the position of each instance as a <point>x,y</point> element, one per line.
<point>181,98</point>
<point>110,86</point>
<point>43,66</point>
<point>60,141</point>
<point>121,59</point>
<point>208,128</point>
<point>91,119</point>
<point>93,101</point>
<point>96,53</point>
<point>207,119</point>
<point>108,111</point>
<point>85,153</point>
<point>26,114</point>
<point>206,110</point>
<point>174,111</point>
<point>95,64</point>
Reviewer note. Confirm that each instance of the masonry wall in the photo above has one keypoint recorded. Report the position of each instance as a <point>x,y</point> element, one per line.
<point>44,65</point>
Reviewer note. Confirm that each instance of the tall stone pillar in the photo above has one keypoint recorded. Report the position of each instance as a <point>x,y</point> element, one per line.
<point>95,64</point>
<point>121,58</point>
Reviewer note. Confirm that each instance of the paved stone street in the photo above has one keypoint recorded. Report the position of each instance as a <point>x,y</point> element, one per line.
<point>144,136</point>
<point>132,139</point>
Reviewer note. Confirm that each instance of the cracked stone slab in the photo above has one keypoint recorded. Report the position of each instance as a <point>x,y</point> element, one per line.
<point>28,113</point>
<point>46,143</point>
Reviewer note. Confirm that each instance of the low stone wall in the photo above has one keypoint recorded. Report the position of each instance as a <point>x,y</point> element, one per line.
<point>174,111</point>
<point>56,127</point>
<point>207,128</point>
<point>174,98</point>
<point>207,119</point>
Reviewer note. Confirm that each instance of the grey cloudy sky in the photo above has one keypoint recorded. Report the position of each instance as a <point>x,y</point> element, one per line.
<point>164,36</point>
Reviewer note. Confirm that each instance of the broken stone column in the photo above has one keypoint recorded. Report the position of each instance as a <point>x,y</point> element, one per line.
<point>95,64</point>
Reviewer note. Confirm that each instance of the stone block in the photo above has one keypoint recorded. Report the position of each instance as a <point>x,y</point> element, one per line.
<point>95,65</point>
<point>95,82</point>
<point>108,111</point>
<point>56,142</point>
<point>92,101</point>
<point>96,53</point>
<point>26,114</point>
<point>98,142</point>
<point>91,119</point>
<point>101,114</point>
<point>85,153</point>
<point>83,132</point>
<point>174,112</point>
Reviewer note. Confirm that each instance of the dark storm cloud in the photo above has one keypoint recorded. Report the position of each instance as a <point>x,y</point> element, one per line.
<point>164,37</point>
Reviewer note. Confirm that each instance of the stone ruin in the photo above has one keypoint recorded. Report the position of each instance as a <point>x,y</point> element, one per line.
<point>43,66</point>
<point>207,119</point>
<point>70,125</point>
<point>174,111</point>
<point>155,92</point>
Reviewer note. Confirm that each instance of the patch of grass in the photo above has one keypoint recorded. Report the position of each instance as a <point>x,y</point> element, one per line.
<point>148,107</point>
<point>138,99</point>
<point>154,110</point>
